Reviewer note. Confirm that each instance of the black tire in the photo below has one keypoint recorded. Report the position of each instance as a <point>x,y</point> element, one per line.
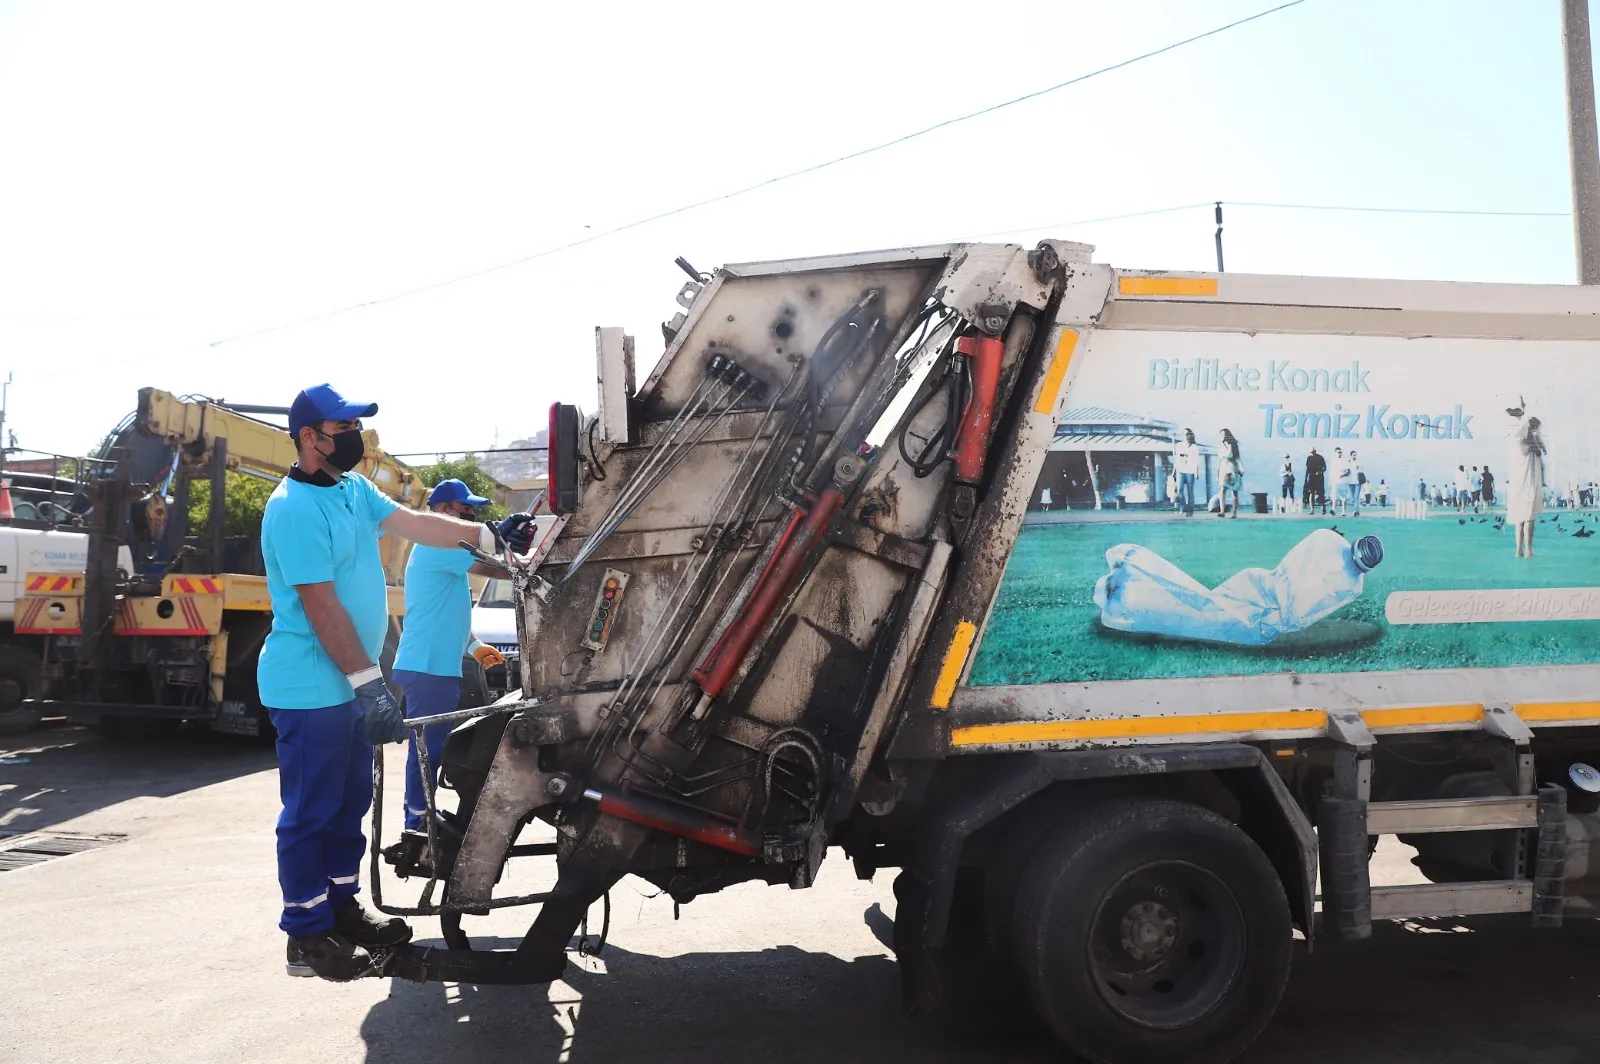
<point>246,635</point>
<point>240,686</point>
<point>1149,929</point>
<point>974,983</point>
<point>19,679</point>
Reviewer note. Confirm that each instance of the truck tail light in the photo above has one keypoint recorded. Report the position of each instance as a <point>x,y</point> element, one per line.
<point>563,475</point>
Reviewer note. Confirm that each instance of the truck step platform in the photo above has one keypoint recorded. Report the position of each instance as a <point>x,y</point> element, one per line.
<point>1425,900</point>
<point>1498,813</point>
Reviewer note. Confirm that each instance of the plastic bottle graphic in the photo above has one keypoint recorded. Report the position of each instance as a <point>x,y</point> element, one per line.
<point>1144,593</point>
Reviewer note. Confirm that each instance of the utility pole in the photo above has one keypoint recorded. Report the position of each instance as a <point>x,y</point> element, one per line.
<point>5,396</point>
<point>1583,145</point>
<point>1219,236</point>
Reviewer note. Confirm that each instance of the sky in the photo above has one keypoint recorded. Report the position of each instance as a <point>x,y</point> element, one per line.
<point>175,175</point>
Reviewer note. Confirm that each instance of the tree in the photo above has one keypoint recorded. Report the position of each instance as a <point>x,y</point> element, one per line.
<point>469,472</point>
<point>247,496</point>
<point>243,504</point>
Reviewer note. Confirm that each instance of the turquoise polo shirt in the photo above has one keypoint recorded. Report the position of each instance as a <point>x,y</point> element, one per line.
<point>311,534</point>
<point>438,612</point>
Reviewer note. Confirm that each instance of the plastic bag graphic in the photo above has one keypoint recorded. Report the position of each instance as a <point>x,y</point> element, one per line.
<point>1146,594</point>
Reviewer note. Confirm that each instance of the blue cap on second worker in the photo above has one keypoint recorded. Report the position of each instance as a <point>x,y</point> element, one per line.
<point>321,403</point>
<point>454,491</point>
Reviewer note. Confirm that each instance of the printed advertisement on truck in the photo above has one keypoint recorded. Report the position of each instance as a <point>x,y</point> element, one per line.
<point>1219,504</point>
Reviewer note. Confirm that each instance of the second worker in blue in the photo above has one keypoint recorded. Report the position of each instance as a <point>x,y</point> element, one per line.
<point>436,637</point>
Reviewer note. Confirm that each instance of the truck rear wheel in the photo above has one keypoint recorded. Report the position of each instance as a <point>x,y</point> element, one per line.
<point>19,679</point>
<point>1150,929</point>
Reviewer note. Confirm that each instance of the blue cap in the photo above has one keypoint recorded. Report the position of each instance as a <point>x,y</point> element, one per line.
<point>321,403</point>
<point>454,491</point>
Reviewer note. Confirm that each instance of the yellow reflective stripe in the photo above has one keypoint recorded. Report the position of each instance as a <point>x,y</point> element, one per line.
<point>1050,390</point>
<point>1043,731</point>
<point>954,660</point>
<point>1557,710</point>
<point>1410,716</point>
<point>1167,286</point>
<point>1040,731</point>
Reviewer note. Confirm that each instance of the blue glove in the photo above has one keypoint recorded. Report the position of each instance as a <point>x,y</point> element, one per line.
<point>516,532</point>
<point>381,712</point>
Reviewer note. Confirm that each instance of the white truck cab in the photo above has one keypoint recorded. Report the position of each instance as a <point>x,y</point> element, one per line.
<point>42,551</point>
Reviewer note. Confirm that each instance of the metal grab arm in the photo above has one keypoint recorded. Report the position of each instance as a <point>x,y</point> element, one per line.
<point>455,715</point>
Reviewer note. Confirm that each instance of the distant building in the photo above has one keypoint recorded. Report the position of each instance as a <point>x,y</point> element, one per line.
<point>522,498</point>
<point>1107,459</point>
<point>522,466</point>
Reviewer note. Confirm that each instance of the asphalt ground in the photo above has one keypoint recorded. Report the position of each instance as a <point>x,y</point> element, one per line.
<point>162,946</point>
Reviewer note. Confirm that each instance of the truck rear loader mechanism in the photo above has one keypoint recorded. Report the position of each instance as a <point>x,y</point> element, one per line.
<point>769,618</point>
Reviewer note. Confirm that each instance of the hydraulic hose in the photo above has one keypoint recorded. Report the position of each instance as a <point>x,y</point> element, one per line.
<point>938,445</point>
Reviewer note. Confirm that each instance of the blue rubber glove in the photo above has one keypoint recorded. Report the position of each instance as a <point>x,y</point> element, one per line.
<point>516,532</point>
<point>379,708</point>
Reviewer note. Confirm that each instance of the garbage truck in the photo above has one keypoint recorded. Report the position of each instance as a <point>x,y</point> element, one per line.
<point>1070,593</point>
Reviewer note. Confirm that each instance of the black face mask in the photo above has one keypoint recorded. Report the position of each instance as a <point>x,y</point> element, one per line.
<point>348,449</point>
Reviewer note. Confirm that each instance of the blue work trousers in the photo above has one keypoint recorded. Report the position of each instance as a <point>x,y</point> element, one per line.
<point>425,695</point>
<point>325,781</point>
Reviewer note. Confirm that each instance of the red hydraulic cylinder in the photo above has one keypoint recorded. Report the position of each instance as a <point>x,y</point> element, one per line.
<point>699,676</point>
<point>983,354</point>
<point>717,670</point>
<point>676,819</point>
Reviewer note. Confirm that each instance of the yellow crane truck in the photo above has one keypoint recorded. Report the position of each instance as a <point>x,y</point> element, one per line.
<point>175,637</point>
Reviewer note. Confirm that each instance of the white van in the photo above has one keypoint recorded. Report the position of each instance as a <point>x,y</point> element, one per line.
<point>494,621</point>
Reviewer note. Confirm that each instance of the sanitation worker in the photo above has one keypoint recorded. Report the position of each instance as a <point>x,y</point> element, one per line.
<point>318,674</point>
<point>436,637</point>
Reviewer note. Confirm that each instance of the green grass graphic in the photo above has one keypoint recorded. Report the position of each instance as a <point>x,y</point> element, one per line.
<point>1044,626</point>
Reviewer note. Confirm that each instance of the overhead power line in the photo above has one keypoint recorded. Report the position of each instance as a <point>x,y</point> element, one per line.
<point>1208,204</point>
<point>468,450</point>
<point>1088,221</point>
<point>766,183</point>
<point>1397,210</point>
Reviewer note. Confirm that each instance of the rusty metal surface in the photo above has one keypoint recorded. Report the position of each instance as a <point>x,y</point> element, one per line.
<point>697,501</point>
<point>761,319</point>
<point>1018,452</point>
<point>515,787</point>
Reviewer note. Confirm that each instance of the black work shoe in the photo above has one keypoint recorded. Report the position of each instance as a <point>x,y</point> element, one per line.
<point>328,955</point>
<point>354,922</point>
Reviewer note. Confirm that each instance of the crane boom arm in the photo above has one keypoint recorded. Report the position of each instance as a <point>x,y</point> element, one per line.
<point>258,447</point>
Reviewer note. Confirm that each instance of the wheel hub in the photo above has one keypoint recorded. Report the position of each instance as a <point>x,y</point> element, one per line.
<point>1167,943</point>
<point>10,694</point>
<point>1148,931</point>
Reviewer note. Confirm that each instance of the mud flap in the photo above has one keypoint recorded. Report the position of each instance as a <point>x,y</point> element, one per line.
<point>920,988</point>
